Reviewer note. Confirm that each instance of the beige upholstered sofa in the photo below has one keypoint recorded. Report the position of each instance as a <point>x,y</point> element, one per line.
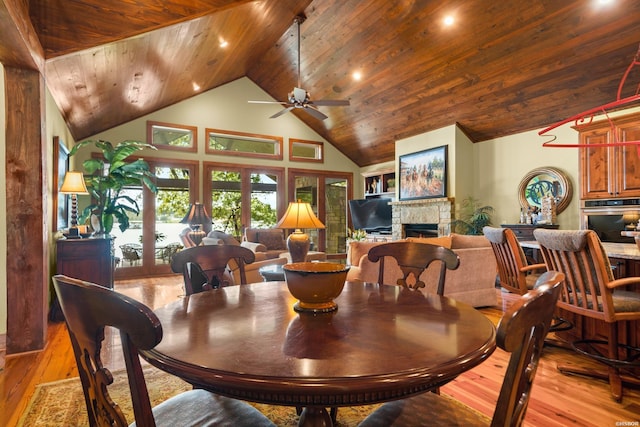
<point>270,243</point>
<point>473,282</point>
<point>251,270</point>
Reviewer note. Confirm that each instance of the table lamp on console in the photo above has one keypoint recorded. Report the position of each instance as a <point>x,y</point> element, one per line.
<point>73,184</point>
<point>195,217</point>
<point>299,215</point>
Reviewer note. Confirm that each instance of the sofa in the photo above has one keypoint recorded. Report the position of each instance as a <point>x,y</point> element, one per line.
<point>270,243</point>
<point>251,270</point>
<point>473,282</point>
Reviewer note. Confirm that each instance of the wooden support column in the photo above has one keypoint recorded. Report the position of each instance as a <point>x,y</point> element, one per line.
<point>27,235</point>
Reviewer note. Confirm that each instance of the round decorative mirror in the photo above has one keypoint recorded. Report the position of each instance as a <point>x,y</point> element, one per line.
<point>542,182</point>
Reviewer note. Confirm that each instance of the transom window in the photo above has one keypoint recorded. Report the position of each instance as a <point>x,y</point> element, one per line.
<point>244,144</point>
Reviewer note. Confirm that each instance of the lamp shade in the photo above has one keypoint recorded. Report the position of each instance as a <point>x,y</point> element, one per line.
<point>299,215</point>
<point>73,184</point>
<point>197,214</point>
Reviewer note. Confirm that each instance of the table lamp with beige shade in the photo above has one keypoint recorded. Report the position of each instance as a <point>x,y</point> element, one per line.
<point>73,184</point>
<point>299,215</point>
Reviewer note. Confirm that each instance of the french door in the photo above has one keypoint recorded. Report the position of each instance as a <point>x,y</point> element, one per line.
<point>328,193</point>
<point>146,248</point>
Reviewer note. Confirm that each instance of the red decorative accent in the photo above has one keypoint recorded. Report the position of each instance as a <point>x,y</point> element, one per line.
<point>586,117</point>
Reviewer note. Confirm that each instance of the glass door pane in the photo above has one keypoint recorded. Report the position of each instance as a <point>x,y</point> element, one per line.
<point>128,244</point>
<point>264,200</point>
<point>335,215</point>
<point>306,190</point>
<point>172,202</point>
<point>226,202</point>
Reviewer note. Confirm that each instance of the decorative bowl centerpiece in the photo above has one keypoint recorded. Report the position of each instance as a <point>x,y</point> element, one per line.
<point>315,284</point>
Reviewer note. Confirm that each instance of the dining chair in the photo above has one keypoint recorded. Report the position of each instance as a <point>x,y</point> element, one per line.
<point>590,290</point>
<point>87,309</point>
<point>516,274</point>
<point>206,267</point>
<point>521,332</point>
<point>413,259</point>
<point>514,271</point>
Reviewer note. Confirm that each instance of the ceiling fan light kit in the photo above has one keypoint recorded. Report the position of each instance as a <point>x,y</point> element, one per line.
<point>298,97</point>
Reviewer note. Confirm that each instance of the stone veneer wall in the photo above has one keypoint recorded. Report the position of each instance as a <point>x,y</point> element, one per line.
<point>423,211</point>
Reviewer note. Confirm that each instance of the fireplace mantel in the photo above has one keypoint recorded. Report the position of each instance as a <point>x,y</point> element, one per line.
<point>422,211</point>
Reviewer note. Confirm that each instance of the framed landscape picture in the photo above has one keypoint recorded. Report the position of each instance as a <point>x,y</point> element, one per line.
<point>423,175</point>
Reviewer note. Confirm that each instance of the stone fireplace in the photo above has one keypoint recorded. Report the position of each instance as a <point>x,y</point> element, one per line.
<point>424,211</point>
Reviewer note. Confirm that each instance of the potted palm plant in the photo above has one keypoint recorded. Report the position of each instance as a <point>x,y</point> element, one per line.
<point>106,177</point>
<point>473,217</point>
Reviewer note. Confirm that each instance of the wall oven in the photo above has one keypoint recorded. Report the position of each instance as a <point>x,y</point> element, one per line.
<point>608,217</point>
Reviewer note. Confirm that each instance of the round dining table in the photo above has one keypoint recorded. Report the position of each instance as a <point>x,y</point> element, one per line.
<point>382,343</point>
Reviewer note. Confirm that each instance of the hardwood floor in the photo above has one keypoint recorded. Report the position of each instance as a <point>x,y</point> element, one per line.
<point>556,399</point>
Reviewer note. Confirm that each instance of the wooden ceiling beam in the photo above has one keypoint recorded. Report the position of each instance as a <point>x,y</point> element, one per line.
<point>19,46</point>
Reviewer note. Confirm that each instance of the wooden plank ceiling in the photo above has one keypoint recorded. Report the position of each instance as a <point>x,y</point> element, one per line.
<point>503,67</point>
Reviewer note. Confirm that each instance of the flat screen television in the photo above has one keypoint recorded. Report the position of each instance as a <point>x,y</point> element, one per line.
<point>372,215</point>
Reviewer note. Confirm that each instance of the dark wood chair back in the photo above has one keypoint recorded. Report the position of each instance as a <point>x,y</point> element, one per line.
<point>514,271</point>
<point>211,262</point>
<point>87,309</point>
<point>521,332</point>
<point>413,259</point>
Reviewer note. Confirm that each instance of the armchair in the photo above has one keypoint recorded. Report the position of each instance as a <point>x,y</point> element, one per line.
<point>270,243</point>
<point>251,270</point>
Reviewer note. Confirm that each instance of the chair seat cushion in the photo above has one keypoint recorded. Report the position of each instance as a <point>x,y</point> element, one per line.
<point>201,408</point>
<point>427,409</point>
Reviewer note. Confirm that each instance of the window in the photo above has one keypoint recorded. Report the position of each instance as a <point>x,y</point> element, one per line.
<point>243,196</point>
<point>306,151</point>
<point>172,137</point>
<point>243,144</point>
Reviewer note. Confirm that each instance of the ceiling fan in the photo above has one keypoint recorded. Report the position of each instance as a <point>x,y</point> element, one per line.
<point>299,98</point>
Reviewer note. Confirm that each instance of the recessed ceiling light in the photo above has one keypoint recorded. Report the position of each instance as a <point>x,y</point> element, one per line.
<point>196,87</point>
<point>448,20</point>
<point>223,43</point>
<point>357,75</point>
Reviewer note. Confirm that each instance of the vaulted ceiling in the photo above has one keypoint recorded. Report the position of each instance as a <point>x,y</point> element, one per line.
<point>503,67</point>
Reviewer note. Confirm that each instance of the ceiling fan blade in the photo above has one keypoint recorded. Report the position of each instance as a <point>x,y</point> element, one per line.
<point>315,113</point>
<point>268,102</point>
<point>331,102</point>
<point>281,112</point>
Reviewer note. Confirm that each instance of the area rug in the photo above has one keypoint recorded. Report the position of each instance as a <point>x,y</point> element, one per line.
<point>61,403</point>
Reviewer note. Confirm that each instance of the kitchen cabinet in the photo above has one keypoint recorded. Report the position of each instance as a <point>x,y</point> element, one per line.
<point>610,172</point>
<point>380,184</point>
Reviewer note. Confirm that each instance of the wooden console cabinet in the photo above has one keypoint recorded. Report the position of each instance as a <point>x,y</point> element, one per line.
<point>86,259</point>
<point>525,231</point>
<point>607,172</point>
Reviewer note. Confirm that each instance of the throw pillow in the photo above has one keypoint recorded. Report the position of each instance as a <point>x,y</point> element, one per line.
<point>272,240</point>
<point>227,239</point>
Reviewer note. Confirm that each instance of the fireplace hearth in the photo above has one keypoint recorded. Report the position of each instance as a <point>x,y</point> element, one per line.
<point>422,213</point>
